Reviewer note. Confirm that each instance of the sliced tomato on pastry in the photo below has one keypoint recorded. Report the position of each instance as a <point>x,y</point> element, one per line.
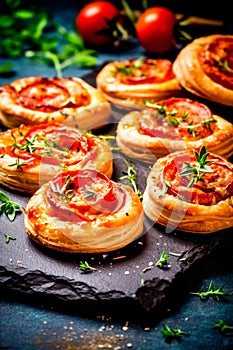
<point>84,211</point>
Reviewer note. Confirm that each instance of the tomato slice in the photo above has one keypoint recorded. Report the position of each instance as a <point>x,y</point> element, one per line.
<point>144,71</point>
<point>215,186</point>
<point>49,144</point>
<point>84,195</point>
<point>216,60</point>
<point>51,94</point>
<point>177,118</point>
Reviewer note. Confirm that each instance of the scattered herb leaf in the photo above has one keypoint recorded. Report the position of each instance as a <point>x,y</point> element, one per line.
<point>216,293</point>
<point>85,267</point>
<point>224,328</point>
<point>131,176</point>
<point>163,261</point>
<point>8,238</point>
<point>8,207</point>
<point>170,333</point>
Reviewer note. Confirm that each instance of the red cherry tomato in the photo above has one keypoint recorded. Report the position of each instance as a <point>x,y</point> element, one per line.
<point>155,29</point>
<point>94,18</point>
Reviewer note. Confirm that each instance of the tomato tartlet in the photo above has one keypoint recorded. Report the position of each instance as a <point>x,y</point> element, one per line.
<point>32,154</point>
<point>171,125</point>
<point>130,82</point>
<point>205,68</point>
<point>190,191</point>
<point>37,100</point>
<point>84,211</point>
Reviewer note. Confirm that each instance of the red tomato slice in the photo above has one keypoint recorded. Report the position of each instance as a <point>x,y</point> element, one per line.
<point>84,195</point>
<point>145,71</point>
<point>211,189</point>
<point>177,118</point>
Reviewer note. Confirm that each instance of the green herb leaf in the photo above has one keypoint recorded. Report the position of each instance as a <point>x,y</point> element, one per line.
<point>163,260</point>
<point>216,293</point>
<point>171,333</point>
<point>8,207</point>
<point>224,328</point>
<point>85,267</point>
<point>8,238</point>
<point>198,171</point>
<point>6,68</point>
<point>131,176</point>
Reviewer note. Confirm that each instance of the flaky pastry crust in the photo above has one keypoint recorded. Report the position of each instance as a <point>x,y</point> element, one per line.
<point>32,155</point>
<point>35,100</point>
<point>169,208</point>
<point>102,233</point>
<point>126,95</point>
<point>146,148</point>
<point>192,76</point>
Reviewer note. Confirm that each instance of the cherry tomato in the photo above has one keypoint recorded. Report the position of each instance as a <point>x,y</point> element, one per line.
<point>155,29</point>
<point>93,22</point>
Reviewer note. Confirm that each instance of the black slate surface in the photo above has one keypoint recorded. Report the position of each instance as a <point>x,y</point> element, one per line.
<point>121,284</point>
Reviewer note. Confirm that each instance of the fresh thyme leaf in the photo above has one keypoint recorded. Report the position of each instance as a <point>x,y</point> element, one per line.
<point>224,66</point>
<point>89,193</point>
<point>60,190</point>
<point>8,207</point>
<point>216,293</point>
<point>131,176</point>
<point>18,165</point>
<point>86,267</point>
<point>163,260</point>
<point>224,328</point>
<point>198,171</point>
<point>171,333</point>
<point>8,238</point>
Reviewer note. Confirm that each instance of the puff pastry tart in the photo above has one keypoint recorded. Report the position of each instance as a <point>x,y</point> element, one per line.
<point>36,100</point>
<point>84,212</point>
<point>191,191</point>
<point>131,82</point>
<point>33,154</point>
<point>205,68</point>
<point>173,125</point>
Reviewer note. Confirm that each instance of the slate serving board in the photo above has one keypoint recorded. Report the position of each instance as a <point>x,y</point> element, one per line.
<point>123,285</point>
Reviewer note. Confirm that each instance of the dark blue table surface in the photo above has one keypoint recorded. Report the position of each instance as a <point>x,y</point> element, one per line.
<point>25,326</point>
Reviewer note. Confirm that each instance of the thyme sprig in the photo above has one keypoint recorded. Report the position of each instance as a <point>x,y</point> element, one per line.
<point>171,333</point>
<point>216,293</point>
<point>8,207</point>
<point>19,165</point>
<point>131,175</point>
<point>86,267</point>
<point>60,190</point>
<point>224,328</point>
<point>129,70</point>
<point>198,171</point>
<point>31,144</point>
<point>224,66</point>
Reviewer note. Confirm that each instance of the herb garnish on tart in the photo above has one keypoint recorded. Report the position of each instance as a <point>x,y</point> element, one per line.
<point>84,211</point>
<point>199,178</point>
<point>171,125</point>
<point>178,118</point>
<point>33,154</point>
<point>190,190</point>
<point>143,71</point>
